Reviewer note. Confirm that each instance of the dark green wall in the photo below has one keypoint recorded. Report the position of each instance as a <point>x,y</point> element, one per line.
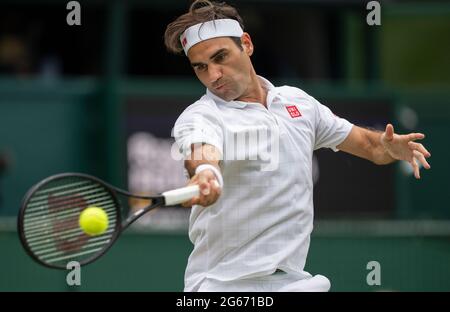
<point>428,198</point>
<point>156,262</point>
<point>135,263</point>
<point>414,46</point>
<point>46,128</point>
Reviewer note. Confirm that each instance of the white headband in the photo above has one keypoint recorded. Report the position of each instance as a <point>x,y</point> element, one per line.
<point>212,29</point>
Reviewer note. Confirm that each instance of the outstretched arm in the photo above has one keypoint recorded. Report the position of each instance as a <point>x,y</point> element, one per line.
<point>386,147</point>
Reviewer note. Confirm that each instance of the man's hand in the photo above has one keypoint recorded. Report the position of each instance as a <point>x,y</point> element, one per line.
<point>403,147</point>
<point>206,179</point>
<point>209,189</point>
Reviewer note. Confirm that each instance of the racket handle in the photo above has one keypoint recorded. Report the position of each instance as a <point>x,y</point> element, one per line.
<point>180,195</point>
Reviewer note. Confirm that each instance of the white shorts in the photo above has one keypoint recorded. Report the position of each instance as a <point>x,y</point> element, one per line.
<point>277,282</point>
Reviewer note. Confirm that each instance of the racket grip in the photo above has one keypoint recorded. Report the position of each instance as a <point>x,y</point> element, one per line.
<point>180,195</point>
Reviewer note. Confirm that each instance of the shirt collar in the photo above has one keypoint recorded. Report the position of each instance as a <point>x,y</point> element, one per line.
<point>239,104</point>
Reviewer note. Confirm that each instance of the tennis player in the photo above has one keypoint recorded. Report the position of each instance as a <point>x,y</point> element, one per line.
<point>251,225</point>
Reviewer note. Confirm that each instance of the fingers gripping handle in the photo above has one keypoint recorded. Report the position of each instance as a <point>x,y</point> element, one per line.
<point>180,195</point>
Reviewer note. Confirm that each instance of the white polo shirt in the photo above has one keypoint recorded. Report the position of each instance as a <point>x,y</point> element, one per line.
<point>264,217</point>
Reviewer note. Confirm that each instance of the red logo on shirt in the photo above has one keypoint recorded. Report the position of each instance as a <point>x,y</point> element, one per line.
<point>184,42</point>
<point>293,111</point>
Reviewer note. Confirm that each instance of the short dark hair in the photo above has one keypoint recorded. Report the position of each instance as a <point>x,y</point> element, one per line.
<point>201,11</point>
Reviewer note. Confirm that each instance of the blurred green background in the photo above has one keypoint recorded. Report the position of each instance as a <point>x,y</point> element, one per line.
<point>65,94</point>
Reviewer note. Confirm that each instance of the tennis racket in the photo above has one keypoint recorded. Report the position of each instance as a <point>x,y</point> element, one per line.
<point>48,219</point>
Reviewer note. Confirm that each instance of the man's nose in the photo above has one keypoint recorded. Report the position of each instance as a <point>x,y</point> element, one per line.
<point>214,72</point>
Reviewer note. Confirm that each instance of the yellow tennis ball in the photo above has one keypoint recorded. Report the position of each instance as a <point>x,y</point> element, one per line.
<point>93,221</point>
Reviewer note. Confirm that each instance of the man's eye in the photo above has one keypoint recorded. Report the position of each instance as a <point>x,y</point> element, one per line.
<point>220,57</point>
<point>200,67</point>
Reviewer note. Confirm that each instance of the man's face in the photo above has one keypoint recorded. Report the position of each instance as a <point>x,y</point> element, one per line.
<point>222,66</point>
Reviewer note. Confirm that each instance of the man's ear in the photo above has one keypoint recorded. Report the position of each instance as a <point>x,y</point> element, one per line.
<point>247,44</point>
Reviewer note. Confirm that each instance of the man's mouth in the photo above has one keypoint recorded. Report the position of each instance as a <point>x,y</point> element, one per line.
<point>219,87</point>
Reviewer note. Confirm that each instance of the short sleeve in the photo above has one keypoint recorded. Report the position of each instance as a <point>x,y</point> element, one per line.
<point>198,124</point>
<point>330,130</point>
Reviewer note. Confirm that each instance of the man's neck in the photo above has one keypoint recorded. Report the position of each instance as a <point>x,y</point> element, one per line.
<point>255,93</point>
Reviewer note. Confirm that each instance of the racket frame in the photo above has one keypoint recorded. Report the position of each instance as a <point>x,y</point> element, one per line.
<point>119,227</point>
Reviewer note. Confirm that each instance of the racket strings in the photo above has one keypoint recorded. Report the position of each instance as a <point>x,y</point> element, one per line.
<point>64,212</point>
<point>51,216</point>
<point>64,199</point>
